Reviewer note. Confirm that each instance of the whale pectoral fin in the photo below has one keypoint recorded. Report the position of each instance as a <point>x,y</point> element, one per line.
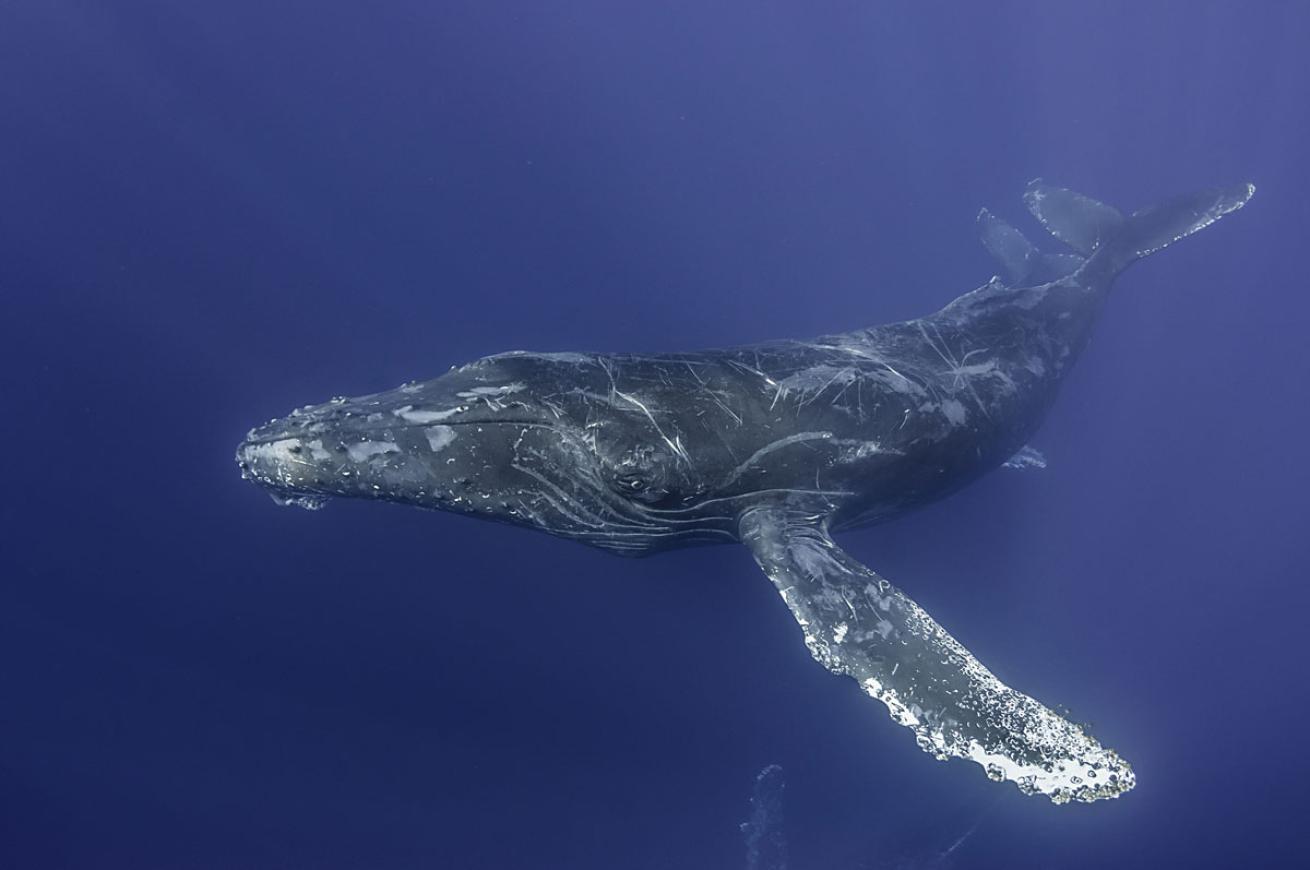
<point>1027,458</point>
<point>858,624</point>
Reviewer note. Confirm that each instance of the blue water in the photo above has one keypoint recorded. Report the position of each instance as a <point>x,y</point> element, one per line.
<point>213,212</point>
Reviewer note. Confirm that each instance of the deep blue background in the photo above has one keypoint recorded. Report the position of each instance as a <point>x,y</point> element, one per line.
<point>213,212</point>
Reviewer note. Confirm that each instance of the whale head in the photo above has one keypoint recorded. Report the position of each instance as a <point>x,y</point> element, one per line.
<point>537,440</point>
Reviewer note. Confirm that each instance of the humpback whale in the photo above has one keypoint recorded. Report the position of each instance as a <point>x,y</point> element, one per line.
<point>777,446</point>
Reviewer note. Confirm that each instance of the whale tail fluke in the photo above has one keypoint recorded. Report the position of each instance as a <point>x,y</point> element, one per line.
<point>1110,241</point>
<point>1022,262</point>
<point>1151,229</point>
<point>1079,221</point>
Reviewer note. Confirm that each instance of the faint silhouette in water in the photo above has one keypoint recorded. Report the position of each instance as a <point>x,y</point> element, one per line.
<point>766,842</point>
<point>766,846</point>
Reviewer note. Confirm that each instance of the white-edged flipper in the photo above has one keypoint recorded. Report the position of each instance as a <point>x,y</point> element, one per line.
<point>858,624</point>
<point>1026,459</point>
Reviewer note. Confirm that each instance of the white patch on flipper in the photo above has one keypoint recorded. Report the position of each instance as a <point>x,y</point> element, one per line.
<point>1027,457</point>
<point>929,683</point>
<point>439,436</point>
<point>366,450</point>
<point>1068,763</point>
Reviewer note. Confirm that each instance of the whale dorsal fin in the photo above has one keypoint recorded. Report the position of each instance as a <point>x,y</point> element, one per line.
<point>1079,221</point>
<point>858,624</point>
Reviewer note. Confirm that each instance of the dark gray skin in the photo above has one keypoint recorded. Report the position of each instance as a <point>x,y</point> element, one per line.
<point>642,453</point>
<point>775,445</point>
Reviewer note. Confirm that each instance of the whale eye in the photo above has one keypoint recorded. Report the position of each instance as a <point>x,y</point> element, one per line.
<point>631,483</point>
<point>638,474</point>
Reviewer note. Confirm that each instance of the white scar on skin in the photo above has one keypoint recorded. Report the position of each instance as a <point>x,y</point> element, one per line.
<point>283,452</point>
<point>488,392</point>
<point>368,449</point>
<point>409,415</point>
<point>439,436</point>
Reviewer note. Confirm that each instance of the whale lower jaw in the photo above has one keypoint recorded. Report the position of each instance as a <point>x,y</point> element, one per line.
<point>299,499</point>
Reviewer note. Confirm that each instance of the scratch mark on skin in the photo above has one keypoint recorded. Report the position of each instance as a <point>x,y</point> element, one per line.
<point>757,370</point>
<point>769,448</point>
<point>713,394</point>
<point>854,616</point>
<point>674,444</point>
<point>898,374</point>
<point>848,373</point>
<point>954,367</point>
<point>605,366</point>
<point>553,406</point>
